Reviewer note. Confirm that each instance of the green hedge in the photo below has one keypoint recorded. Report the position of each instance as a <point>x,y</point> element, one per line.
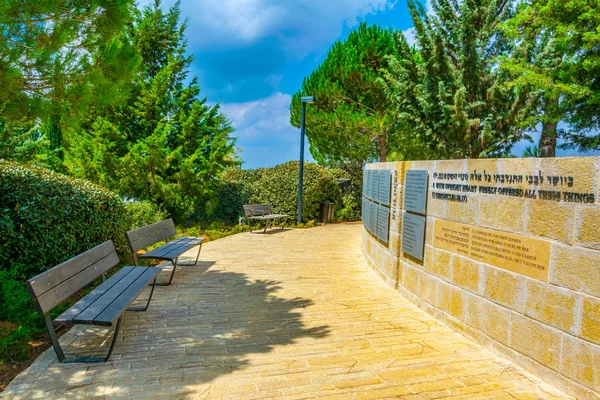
<point>279,186</point>
<point>45,219</point>
<point>235,191</point>
<point>48,218</point>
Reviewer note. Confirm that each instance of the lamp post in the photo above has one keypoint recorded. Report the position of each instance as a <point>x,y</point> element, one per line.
<point>305,100</point>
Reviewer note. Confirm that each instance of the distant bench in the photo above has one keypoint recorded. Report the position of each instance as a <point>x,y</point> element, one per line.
<point>102,306</point>
<point>261,212</point>
<point>141,238</point>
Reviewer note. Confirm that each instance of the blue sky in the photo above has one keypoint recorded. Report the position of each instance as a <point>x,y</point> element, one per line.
<point>251,57</point>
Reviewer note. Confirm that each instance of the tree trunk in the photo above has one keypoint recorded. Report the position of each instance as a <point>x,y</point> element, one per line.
<point>548,140</point>
<point>55,135</point>
<point>382,149</point>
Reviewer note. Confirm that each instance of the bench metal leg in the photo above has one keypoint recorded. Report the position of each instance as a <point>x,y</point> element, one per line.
<point>174,262</point>
<point>61,355</point>
<point>195,262</point>
<point>148,303</point>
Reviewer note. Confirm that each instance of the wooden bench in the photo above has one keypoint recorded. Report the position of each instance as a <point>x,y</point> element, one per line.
<point>141,238</point>
<point>102,306</point>
<point>261,212</point>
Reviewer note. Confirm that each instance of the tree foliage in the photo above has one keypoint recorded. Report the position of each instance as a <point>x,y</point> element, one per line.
<point>58,58</point>
<point>164,143</point>
<point>557,63</point>
<point>450,93</point>
<point>352,119</point>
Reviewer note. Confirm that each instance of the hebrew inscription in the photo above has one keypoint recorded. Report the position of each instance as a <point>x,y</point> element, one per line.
<point>383,223</point>
<point>454,186</point>
<point>376,202</point>
<point>516,253</point>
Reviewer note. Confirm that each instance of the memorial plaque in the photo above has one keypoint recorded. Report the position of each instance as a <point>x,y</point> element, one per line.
<point>362,211</point>
<point>373,217</point>
<point>365,183</point>
<point>415,191</point>
<point>383,223</point>
<point>516,253</point>
<point>365,213</point>
<point>374,185</point>
<point>385,181</point>
<point>413,235</point>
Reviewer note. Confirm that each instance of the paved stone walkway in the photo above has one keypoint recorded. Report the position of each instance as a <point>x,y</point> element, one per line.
<point>290,314</point>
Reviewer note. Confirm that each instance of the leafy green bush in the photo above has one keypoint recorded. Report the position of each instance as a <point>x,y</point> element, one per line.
<point>235,191</point>
<point>352,194</point>
<point>278,186</point>
<point>17,308</point>
<point>45,219</point>
<point>48,218</point>
<point>142,213</point>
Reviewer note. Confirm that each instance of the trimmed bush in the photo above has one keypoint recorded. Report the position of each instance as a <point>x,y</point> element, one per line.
<point>142,213</point>
<point>279,186</point>
<point>236,190</point>
<point>48,218</point>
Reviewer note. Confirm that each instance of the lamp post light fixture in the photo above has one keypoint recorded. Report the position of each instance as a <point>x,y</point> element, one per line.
<point>305,100</point>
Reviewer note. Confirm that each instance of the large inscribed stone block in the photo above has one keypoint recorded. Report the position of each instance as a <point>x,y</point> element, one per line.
<point>516,253</point>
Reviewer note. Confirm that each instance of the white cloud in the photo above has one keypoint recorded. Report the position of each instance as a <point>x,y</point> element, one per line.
<point>255,119</point>
<point>410,35</point>
<point>303,26</point>
<point>264,132</point>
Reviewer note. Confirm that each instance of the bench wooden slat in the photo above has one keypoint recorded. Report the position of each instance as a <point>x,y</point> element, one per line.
<point>165,248</point>
<point>183,247</point>
<point>64,288</point>
<point>173,249</point>
<point>257,209</point>
<point>143,237</point>
<point>66,318</point>
<point>269,216</point>
<point>101,303</point>
<point>51,278</point>
<point>128,296</point>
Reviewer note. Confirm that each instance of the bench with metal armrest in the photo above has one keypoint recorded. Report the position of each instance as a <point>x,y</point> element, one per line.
<point>262,212</point>
<point>141,238</point>
<point>103,306</point>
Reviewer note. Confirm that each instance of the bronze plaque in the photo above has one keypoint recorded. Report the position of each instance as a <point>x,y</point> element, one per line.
<point>415,191</point>
<point>516,253</point>
<point>413,234</point>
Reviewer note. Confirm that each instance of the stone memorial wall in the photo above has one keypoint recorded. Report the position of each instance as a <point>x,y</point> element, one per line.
<point>506,250</point>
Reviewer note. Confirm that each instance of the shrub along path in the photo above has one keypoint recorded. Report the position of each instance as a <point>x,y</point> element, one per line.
<point>294,314</point>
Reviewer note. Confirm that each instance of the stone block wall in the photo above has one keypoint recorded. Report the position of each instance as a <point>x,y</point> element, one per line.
<point>546,318</point>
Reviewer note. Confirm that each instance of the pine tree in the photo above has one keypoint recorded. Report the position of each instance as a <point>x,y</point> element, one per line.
<point>351,120</point>
<point>58,58</point>
<point>450,93</point>
<point>164,144</point>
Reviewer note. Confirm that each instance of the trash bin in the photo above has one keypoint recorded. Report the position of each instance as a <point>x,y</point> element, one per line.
<point>327,212</point>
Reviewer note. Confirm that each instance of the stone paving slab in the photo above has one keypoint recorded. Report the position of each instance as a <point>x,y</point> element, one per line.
<point>290,314</point>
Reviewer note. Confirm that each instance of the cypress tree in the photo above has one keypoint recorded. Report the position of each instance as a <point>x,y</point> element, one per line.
<point>450,93</point>
<point>164,143</point>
